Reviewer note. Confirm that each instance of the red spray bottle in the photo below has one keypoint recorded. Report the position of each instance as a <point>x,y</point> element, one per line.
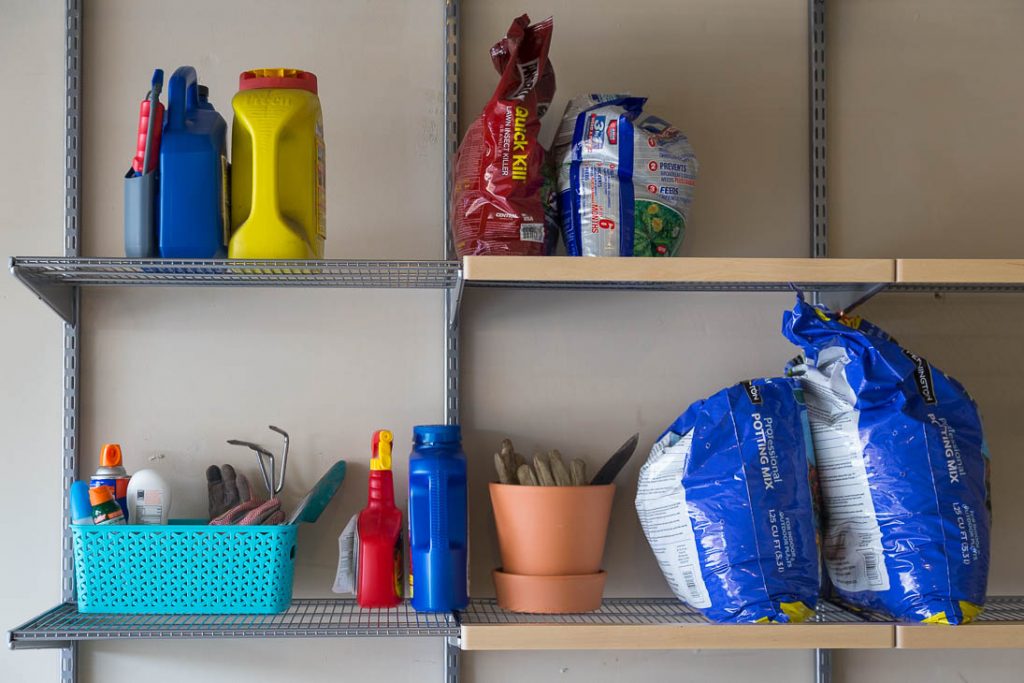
<point>379,564</point>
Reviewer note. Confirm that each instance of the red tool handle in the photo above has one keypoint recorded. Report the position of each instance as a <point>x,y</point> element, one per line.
<point>140,151</point>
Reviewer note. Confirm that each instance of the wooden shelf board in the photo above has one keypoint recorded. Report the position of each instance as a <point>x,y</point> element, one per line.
<point>551,636</point>
<point>566,269</point>
<point>1007,635</point>
<point>960,271</point>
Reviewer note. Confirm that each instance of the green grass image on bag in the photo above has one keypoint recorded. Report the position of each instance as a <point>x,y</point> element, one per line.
<point>657,229</point>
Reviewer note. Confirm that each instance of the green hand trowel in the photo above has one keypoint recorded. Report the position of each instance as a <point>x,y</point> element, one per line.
<point>313,504</point>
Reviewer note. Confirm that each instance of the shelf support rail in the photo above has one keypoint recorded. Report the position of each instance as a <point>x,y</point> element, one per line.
<point>822,665</point>
<point>66,304</point>
<point>818,198</point>
<point>816,114</point>
<point>453,297</point>
<point>452,659</point>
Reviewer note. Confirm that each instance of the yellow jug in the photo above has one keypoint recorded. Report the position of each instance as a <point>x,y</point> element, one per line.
<point>277,170</point>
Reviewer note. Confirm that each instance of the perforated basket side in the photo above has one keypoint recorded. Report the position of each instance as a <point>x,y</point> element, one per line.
<point>184,569</point>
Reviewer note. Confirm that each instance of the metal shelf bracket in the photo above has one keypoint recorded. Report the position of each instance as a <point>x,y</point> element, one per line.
<point>454,300</point>
<point>60,298</point>
<point>846,300</point>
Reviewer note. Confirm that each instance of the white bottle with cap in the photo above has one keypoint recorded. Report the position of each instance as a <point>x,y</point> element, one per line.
<point>149,498</point>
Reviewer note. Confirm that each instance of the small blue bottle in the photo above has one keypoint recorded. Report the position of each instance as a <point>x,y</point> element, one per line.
<point>437,519</point>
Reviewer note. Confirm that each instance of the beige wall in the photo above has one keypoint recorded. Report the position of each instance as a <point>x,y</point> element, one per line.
<point>30,335</point>
<point>923,151</point>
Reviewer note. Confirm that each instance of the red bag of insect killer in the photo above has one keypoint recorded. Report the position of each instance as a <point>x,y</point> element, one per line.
<point>497,205</point>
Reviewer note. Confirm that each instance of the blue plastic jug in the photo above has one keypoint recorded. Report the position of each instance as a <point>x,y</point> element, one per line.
<point>193,173</point>
<point>437,519</point>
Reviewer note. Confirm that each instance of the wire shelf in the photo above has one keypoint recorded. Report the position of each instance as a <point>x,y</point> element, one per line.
<point>1003,608</point>
<point>53,278</point>
<point>661,624</point>
<point>306,618</point>
<point>646,285</point>
<point>958,287</point>
<point>221,272</point>
<point>928,288</point>
<point>626,612</point>
<point>999,626</point>
<point>342,618</point>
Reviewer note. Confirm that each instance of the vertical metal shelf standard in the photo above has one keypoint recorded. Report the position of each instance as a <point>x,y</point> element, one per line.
<point>452,653</point>
<point>71,347</point>
<point>818,196</point>
<point>817,119</point>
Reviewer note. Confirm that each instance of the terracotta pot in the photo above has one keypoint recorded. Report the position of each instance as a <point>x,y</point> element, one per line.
<point>549,594</point>
<point>551,530</point>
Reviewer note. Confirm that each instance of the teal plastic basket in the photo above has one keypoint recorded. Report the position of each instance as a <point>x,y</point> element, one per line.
<point>186,567</point>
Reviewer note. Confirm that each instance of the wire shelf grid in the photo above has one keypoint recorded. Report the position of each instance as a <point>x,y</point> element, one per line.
<point>660,286</point>
<point>337,618</point>
<point>58,271</point>
<point>958,287</point>
<point>1002,609</point>
<point>306,618</point>
<point>221,272</point>
<point>628,612</point>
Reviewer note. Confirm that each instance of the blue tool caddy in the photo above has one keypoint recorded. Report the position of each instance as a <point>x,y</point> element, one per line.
<point>185,567</point>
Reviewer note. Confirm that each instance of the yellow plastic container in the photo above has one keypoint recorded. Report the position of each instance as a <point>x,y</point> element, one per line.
<point>277,168</point>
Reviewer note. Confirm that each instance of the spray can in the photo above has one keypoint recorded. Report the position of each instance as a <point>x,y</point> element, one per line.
<point>111,473</point>
<point>379,555</point>
<point>104,509</point>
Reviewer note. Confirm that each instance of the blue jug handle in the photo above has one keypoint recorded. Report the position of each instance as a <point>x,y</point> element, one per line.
<point>182,97</point>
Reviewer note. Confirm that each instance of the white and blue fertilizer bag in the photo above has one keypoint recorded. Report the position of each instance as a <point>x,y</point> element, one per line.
<point>726,501</point>
<point>903,469</point>
<point>625,180</point>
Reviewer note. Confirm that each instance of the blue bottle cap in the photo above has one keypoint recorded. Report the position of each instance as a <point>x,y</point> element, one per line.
<point>436,434</point>
<point>81,508</point>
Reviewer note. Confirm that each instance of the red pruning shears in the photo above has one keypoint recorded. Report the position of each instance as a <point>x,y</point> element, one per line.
<point>148,145</point>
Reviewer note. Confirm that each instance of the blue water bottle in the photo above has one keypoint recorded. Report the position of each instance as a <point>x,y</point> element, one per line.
<point>437,519</point>
<point>193,173</point>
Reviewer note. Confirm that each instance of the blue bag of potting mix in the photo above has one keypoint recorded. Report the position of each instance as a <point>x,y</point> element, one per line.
<point>726,502</point>
<point>903,469</point>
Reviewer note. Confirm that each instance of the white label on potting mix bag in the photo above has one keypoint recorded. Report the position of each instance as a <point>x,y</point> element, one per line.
<point>853,540</point>
<point>661,506</point>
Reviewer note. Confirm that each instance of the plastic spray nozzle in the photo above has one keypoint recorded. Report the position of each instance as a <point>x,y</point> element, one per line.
<point>100,494</point>
<point>381,458</point>
<point>110,455</point>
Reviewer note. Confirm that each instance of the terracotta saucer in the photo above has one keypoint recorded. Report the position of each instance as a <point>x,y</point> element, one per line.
<point>549,594</point>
